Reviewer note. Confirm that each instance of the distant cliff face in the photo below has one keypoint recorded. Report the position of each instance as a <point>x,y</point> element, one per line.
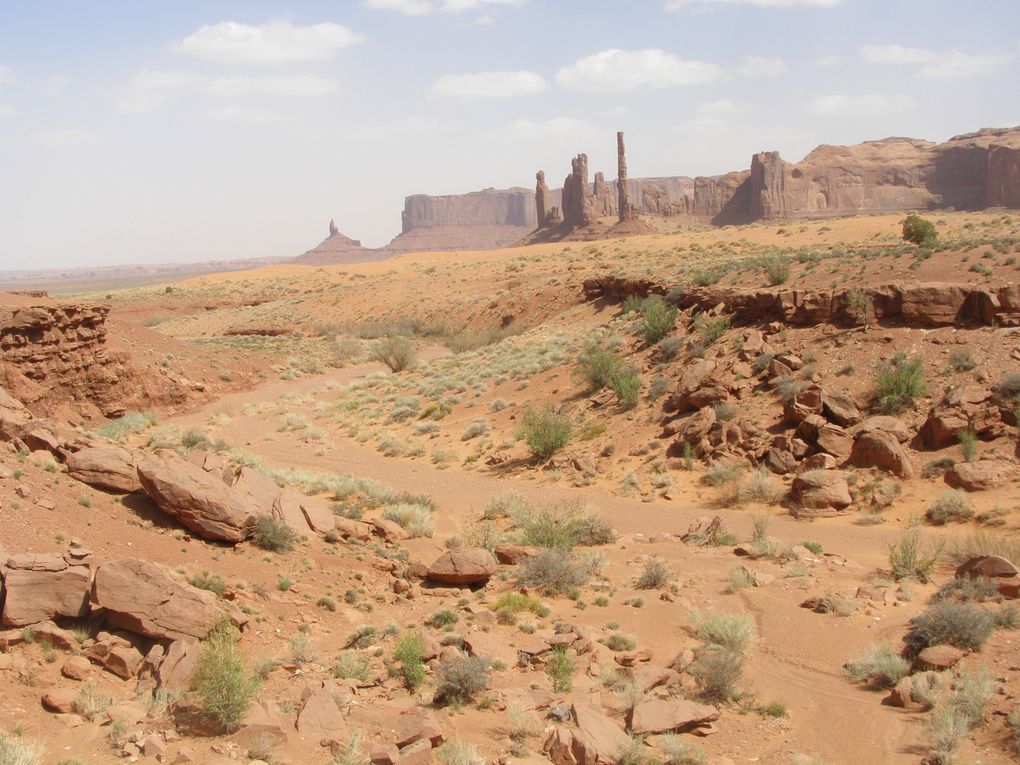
<point>492,207</point>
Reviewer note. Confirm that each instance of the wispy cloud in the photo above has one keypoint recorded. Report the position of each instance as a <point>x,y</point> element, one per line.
<point>72,136</point>
<point>934,64</point>
<point>246,114</point>
<point>525,130</point>
<point>489,85</point>
<point>760,66</point>
<point>866,105</point>
<point>427,7</point>
<point>620,71</point>
<point>827,61</point>
<point>275,42</point>
<point>675,5</point>
<point>149,88</point>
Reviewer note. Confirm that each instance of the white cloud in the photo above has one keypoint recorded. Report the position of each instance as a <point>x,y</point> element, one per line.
<point>675,5</point>
<point>869,104</point>
<point>489,85</point>
<point>426,7</point>
<point>619,71</point>
<point>274,42</point>
<point>55,84</point>
<point>720,108</point>
<point>149,88</point>
<point>933,64</point>
<point>66,136</point>
<point>406,127</point>
<point>239,113</point>
<point>827,61</point>
<point>6,110</point>
<point>524,130</point>
<point>759,66</point>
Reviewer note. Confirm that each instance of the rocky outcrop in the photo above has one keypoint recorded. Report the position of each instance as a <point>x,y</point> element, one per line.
<point>578,210</point>
<point>337,248</point>
<point>110,468</point>
<point>543,202</point>
<point>40,587</point>
<point>197,499</point>
<point>478,220</point>
<point>144,598</point>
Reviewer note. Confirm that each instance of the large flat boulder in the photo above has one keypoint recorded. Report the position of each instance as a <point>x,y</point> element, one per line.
<point>670,715</point>
<point>981,475</point>
<point>110,468</point>
<point>144,598</point>
<point>468,565</point>
<point>821,490</point>
<point>41,587</point>
<point>597,739</point>
<point>197,499</point>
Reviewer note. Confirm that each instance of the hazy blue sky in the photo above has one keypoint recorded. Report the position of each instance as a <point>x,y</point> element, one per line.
<point>189,130</point>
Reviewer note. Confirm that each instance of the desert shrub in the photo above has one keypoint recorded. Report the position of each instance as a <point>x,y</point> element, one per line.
<point>1014,729</point>
<point>912,558</point>
<point>937,467</point>
<point>969,443</point>
<point>560,669</point>
<point>761,487</point>
<point>517,602</point>
<point>984,543</point>
<point>717,672</point>
<point>676,751</point>
<point>655,575</point>
<point>721,473</point>
<point>413,518</point>
<point>962,360</point>
<point>724,411</point>
<point>444,617</point>
<point>224,684</point>
<point>860,304</point>
<point>919,231</point>
<point>128,424</point>
<point>899,382</point>
<point>965,588</point>
<point>971,693</point>
<point>1010,385</point>
<point>16,751</point>
<point>457,753</point>
<point>409,655</point>
<point>303,649</point>
<point>91,703</point>
<point>475,429</point>
<point>732,632</point>
<point>273,534</point>
<point>657,320</point>
<point>761,362</point>
<point>351,665</point>
<point>459,679</point>
<point>508,504</point>
<point>879,664</point>
<point>396,352</point>
<point>555,570</point>
<point>206,581</point>
<point>952,507</point>
<point>669,347</point>
<point>944,730</point>
<point>788,388</point>
<point>563,524</point>
<point>620,642</point>
<point>777,268</point>
<point>545,431</point>
<point>739,579</point>
<point>597,366</point>
<point>627,387</point>
<point>710,328</point>
<point>521,724</point>
<point>964,625</point>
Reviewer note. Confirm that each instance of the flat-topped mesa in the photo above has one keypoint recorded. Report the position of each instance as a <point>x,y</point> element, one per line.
<point>577,202</point>
<point>543,201</point>
<point>623,205</point>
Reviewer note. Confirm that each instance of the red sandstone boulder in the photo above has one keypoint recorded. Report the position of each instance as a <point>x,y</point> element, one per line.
<point>980,475</point>
<point>41,587</point>
<point>821,490</point>
<point>670,715</point>
<point>597,739</point>
<point>969,407</point>
<point>892,425</point>
<point>257,489</point>
<point>110,468</point>
<point>988,566</point>
<point>143,598</point>
<point>320,717</point>
<point>468,565</point>
<point>840,407</point>
<point>880,449</point>
<point>197,499</point>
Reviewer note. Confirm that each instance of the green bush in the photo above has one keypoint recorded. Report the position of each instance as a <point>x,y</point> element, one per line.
<point>657,320</point>
<point>350,665</point>
<point>460,679</point>
<point>598,367</point>
<point>911,558</point>
<point>777,268</point>
<point>900,380</point>
<point>952,507</point>
<point>560,669</point>
<point>732,632</point>
<point>880,664</point>
<point>969,444</point>
<point>545,431</point>
<point>222,681</point>
<point>627,387</point>
<point>717,672</point>
<point>409,654</point>
<point>655,576</point>
<point>273,534</point>
<point>563,525</point>
<point>710,328</point>
<point>919,231</point>
<point>962,360</point>
<point>964,625</point>
<point>554,571</point>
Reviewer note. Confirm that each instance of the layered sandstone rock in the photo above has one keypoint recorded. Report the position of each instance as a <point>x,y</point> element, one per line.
<point>40,587</point>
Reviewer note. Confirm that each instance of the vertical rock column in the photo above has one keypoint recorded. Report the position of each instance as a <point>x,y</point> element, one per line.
<point>542,206</point>
<point>621,183</point>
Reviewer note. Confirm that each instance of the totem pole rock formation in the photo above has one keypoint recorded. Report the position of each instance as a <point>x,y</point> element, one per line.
<point>577,204</point>
<point>542,199</point>
<point>626,211</point>
<point>333,230</point>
